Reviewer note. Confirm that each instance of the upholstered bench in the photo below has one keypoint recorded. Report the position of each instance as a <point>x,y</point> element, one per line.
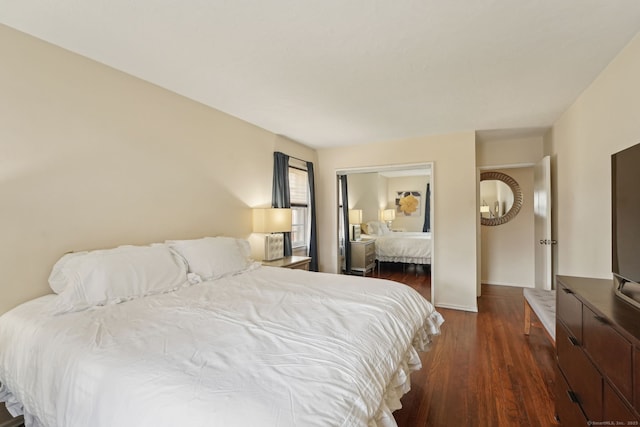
<point>543,304</point>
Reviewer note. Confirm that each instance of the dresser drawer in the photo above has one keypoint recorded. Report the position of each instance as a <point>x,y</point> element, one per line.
<point>636,378</point>
<point>370,259</point>
<point>567,408</point>
<point>616,410</point>
<point>300,266</point>
<point>609,350</point>
<point>585,380</point>
<point>569,310</point>
<point>370,249</point>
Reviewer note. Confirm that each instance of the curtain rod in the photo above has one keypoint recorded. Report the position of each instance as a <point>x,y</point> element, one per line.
<point>292,157</point>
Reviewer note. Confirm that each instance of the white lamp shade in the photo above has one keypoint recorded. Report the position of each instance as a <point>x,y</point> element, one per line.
<point>272,220</point>
<point>388,214</point>
<point>355,216</point>
<point>484,208</point>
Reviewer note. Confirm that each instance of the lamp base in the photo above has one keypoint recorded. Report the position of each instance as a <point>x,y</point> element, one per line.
<point>273,246</point>
<point>354,232</point>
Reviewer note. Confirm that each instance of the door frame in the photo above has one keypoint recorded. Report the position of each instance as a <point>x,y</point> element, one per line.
<point>479,170</point>
<point>396,167</point>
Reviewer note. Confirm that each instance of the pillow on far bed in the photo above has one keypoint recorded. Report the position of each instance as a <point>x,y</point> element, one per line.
<point>214,257</point>
<point>372,227</point>
<point>364,228</point>
<point>110,276</point>
<point>378,228</point>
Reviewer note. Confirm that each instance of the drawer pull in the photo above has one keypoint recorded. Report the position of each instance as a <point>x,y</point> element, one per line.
<point>567,291</point>
<point>573,397</point>
<point>574,342</point>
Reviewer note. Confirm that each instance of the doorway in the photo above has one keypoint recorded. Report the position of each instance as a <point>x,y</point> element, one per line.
<point>518,252</point>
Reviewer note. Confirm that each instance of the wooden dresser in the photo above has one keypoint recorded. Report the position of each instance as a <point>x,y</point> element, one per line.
<point>598,354</point>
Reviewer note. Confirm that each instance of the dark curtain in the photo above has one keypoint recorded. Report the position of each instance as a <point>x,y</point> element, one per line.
<point>280,197</point>
<point>313,241</point>
<point>427,210</point>
<point>345,223</point>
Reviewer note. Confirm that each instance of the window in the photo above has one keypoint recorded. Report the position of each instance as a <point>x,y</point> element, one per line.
<point>299,193</point>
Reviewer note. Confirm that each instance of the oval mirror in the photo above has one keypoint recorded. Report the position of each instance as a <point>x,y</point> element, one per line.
<point>500,198</point>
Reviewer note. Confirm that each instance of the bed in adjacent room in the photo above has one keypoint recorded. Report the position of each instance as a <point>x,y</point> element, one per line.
<point>195,333</point>
<point>399,246</point>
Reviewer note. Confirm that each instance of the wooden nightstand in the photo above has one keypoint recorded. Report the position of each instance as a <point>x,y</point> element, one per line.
<point>6,420</point>
<point>293,262</point>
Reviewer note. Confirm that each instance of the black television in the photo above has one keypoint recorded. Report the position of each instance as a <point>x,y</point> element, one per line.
<point>625,221</point>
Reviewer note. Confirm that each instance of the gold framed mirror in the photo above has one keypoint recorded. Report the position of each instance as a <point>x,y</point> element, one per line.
<point>500,198</point>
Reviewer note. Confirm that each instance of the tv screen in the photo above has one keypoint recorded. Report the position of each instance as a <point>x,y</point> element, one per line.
<point>625,215</point>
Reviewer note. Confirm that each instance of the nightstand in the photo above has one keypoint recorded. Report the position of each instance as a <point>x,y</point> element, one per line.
<point>363,256</point>
<point>293,262</point>
<point>6,420</point>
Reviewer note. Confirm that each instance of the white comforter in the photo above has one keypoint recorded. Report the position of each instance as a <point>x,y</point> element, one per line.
<point>404,247</point>
<point>269,347</point>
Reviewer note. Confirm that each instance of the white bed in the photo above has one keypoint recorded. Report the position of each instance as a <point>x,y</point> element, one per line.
<point>260,346</point>
<point>399,246</point>
<point>405,247</point>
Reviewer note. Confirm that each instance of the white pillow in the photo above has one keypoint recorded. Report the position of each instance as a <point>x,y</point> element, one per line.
<point>214,257</point>
<point>58,279</point>
<point>378,228</point>
<point>111,276</point>
<point>383,229</point>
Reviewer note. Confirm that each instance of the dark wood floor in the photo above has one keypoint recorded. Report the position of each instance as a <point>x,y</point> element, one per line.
<point>482,370</point>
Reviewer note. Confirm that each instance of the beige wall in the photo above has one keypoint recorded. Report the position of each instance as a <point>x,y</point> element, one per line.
<point>455,221</point>
<point>94,158</point>
<point>602,121</point>
<point>511,151</point>
<point>364,194</point>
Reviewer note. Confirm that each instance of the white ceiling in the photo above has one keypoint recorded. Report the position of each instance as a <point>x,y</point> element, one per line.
<point>334,72</point>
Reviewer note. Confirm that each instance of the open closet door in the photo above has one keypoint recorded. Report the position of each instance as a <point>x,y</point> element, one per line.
<point>542,211</point>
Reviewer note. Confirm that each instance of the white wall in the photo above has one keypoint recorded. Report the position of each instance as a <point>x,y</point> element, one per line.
<point>94,158</point>
<point>455,221</point>
<point>602,121</point>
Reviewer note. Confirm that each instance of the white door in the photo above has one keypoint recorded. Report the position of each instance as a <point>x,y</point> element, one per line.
<point>542,213</point>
